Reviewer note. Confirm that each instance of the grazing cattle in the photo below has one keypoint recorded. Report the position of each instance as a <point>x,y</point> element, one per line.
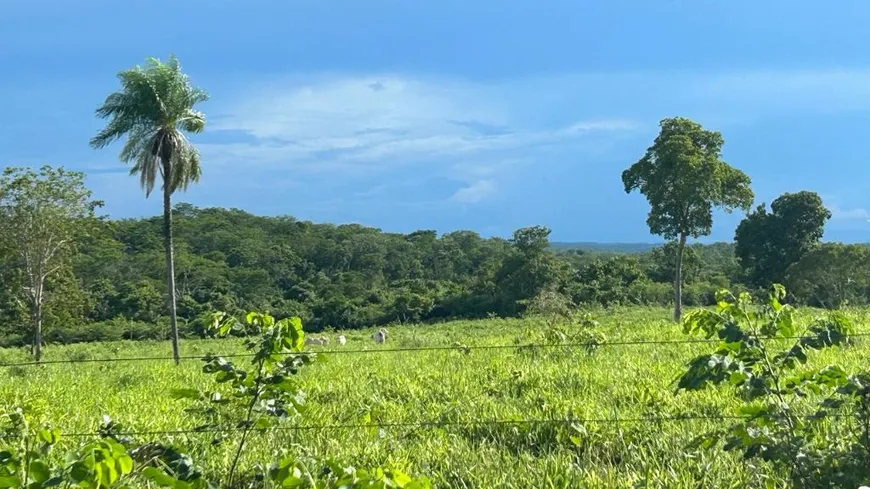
<point>380,336</point>
<point>342,340</point>
<point>320,341</point>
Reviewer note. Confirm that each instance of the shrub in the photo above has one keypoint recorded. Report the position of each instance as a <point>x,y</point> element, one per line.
<point>814,442</point>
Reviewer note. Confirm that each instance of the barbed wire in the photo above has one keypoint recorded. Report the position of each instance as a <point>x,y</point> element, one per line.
<point>441,424</point>
<point>457,347</point>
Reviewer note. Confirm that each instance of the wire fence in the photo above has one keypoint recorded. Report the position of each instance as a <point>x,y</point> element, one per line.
<point>443,424</point>
<point>424,424</point>
<point>457,347</point>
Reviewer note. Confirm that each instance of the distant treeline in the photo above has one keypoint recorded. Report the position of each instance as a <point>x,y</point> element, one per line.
<point>351,276</point>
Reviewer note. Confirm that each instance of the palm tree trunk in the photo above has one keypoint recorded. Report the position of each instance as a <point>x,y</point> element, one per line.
<point>678,281</point>
<point>170,262</point>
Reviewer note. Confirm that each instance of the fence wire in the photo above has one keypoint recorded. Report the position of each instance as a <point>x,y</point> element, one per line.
<point>443,424</point>
<point>457,347</point>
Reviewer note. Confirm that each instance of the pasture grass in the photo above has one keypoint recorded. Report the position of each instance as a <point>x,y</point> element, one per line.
<point>447,386</point>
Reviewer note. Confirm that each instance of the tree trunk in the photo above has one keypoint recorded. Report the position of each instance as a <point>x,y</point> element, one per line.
<point>37,333</point>
<point>36,317</point>
<point>170,262</point>
<point>678,281</point>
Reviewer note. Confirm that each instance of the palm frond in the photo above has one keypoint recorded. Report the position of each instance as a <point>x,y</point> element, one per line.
<point>193,122</point>
<point>185,163</point>
<point>147,166</point>
<point>153,108</point>
<point>139,140</point>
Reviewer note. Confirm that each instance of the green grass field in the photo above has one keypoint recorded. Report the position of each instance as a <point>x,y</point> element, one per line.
<point>448,386</point>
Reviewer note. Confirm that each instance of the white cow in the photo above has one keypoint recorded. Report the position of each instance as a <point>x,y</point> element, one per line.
<point>320,341</point>
<point>342,340</point>
<point>380,336</point>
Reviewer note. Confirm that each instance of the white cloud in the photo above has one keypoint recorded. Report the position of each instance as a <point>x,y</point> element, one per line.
<point>349,128</point>
<point>319,123</point>
<point>383,119</point>
<point>854,214</point>
<point>352,127</point>
<point>474,193</point>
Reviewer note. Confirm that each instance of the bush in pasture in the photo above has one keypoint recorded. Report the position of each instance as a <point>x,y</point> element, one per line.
<point>109,461</point>
<point>783,421</point>
<point>549,304</point>
<point>262,396</point>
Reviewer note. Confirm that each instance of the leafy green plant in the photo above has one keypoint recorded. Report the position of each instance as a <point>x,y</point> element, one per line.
<point>110,461</point>
<point>583,331</point>
<point>292,474</point>
<point>783,421</point>
<point>262,394</point>
<point>265,394</point>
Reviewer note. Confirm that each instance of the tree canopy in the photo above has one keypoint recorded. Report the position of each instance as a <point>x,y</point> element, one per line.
<point>684,178</point>
<point>832,275</point>
<point>767,243</point>
<point>153,109</point>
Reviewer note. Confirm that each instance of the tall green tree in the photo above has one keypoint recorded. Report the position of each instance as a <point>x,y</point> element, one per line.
<point>41,215</point>
<point>529,269</point>
<point>154,109</point>
<point>684,178</point>
<point>767,243</point>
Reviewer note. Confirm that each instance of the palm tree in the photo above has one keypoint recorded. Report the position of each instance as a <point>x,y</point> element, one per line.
<point>154,108</point>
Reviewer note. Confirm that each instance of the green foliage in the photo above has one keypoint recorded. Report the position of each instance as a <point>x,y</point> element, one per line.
<point>233,261</point>
<point>664,260</point>
<point>248,401</point>
<point>528,269</point>
<point>42,215</point>
<point>532,240</point>
<point>684,178</point>
<point>782,425</point>
<point>576,329</point>
<point>832,275</point>
<point>27,460</point>
<point>154,108</point>
<point>290,473</point>
<point>767,243</point>
<point>266,392</point>
<point>607,282</point>
<point>550,304</point>
<point>256,399</point>
<point>618,381</point>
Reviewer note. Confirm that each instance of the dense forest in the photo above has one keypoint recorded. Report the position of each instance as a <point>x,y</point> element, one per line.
<point>350,276</point>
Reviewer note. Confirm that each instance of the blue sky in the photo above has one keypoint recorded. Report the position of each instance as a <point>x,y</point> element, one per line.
<point>485,115</point>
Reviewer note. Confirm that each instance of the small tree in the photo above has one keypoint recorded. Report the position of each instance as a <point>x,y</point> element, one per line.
<point>831,275</point>
<point>529,269</point>
<point>683,177</point>
<point>40,215</point>
<point>549,304</point>
<point>818,442</point>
